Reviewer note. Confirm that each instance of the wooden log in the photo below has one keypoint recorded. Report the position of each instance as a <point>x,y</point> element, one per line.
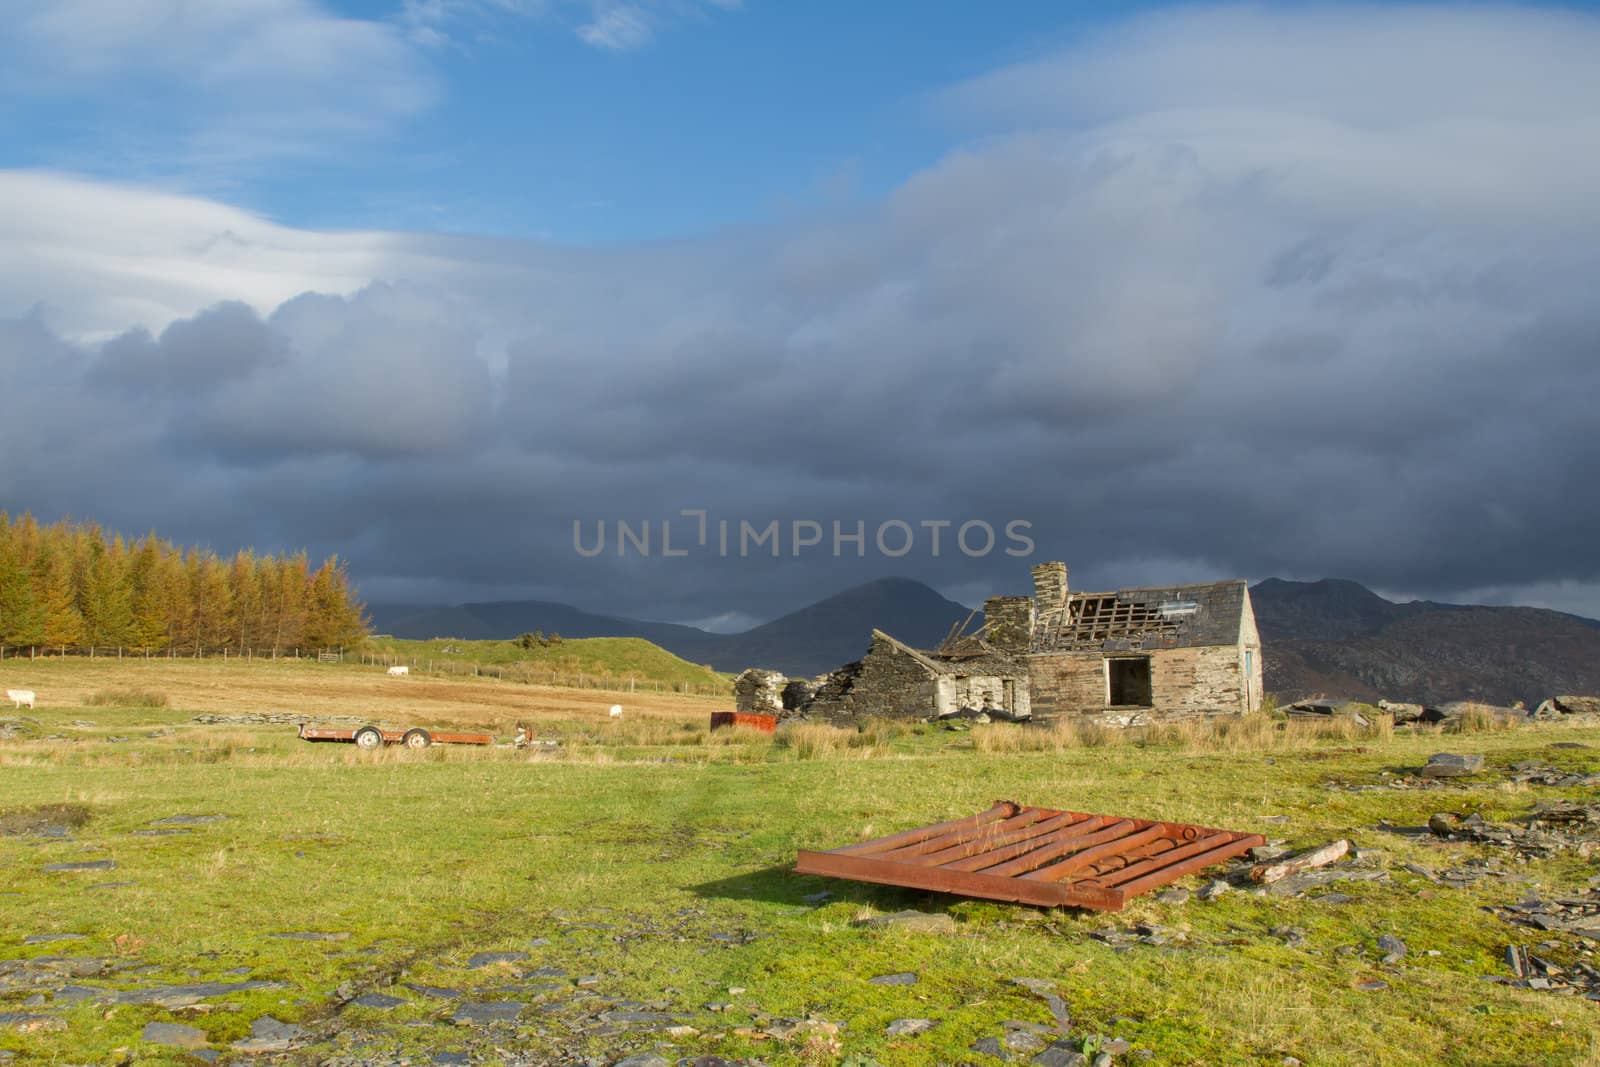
<point>1267,873</point>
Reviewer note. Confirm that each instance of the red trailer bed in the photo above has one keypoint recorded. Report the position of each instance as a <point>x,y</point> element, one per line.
<point>377,736</point>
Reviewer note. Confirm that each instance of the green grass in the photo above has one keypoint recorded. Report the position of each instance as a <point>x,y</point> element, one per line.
<point>604,662</point>
<point>683,849</point>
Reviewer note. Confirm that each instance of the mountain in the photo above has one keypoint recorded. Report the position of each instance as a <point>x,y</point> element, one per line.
<point>806,642</point>
<point>1338,638</point>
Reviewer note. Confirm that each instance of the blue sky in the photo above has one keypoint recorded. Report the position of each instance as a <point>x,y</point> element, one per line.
<point>722,114</point>
<point>1200,291</point>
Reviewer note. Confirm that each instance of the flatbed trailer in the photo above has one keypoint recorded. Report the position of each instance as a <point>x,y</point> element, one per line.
<point>378,736</point>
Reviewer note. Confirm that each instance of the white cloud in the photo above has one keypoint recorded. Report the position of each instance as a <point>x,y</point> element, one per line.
<point>236,81</point>
<point>617,28</point>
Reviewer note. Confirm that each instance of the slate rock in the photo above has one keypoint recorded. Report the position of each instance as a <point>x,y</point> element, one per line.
<point>904,978</point>
<point>909,1027</point>
<point>1393,948</point>
<point>179,996</point>
<point>314,935</point>
<point>85,865</point>
<point>1452,765</point>
<point>44,939</point>
<point>1102,1060</point>
<point>644,1059</point>
<point>175,1035</point>
<point>1060,1054</point>
<point>269,1035</point>
<point>921,922</point>
<point>989,1046</point>
<point>1023,1041</point>
<point>451,1058</point>
<point>486,1012</point>
<point>1175,895</point>
<point>1213,889</point>
<point>1374,985</point>
<point>489,959</point>
<point>377,1000</point>
<point>437,992</point>
<point>24,1022</point>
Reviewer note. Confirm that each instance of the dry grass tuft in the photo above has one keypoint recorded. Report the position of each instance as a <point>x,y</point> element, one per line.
<point>1246,733</point>
<point>1473,718</point>
<point>809,741</point>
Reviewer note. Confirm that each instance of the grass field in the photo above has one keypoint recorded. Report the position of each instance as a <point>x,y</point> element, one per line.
<point>644,869</point>
<point>600,662</point>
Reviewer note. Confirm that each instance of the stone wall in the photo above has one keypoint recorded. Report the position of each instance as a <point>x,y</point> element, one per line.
<point>1008,622</point>
<point>888,683</point>
<point>1185,683</point>
<point>758,692</point>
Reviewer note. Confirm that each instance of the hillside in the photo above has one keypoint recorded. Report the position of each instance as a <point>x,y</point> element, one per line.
<point>813,639</point>
<point>1337,637</point>
<point>607,658</point>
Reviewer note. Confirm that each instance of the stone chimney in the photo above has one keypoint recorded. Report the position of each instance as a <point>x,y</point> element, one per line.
<point>1049,588</point>
<point>1009,623</point>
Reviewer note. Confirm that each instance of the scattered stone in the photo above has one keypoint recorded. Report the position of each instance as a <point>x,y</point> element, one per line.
<point>179,996</point>
<point>451,1059</point>
<point>175,1035</point>
<point>269,1035</point>
<point>486,1012</point>
<point>489,959</point>
<point>909,1027</point>
<point>85,865</point>
<point>1332,898</point>
<point>1174,895</point>
<point>1393,948</point>
<point>1213,889</point>
<point>437,992</point>
<point>44,939</point>
<point>1452,765</point>
<point>314,935</point>
<point>921,922</point>
<point>1374,985</point>
<point>989,1046</point>
<point>377,1000</point>
<point>644,1059</point>
<point>817,898</point>
<point>25,1023</point>
<point>1266,874</point>
<point>1060,1054</point>
<point>1023,1041</point>
<point>1102,1060</point>
<point>1040,986</point>
<point>904,978</point>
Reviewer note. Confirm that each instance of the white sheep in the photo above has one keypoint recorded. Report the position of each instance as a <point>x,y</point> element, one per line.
<point>399,672</point>
<point>616,711</point>
<point>19,697</point>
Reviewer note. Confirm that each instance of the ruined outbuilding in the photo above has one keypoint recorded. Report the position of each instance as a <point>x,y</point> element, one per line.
<point>895,681</point>
<point>1133,655</point>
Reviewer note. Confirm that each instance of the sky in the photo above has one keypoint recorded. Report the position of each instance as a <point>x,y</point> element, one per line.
<point>451,288</point>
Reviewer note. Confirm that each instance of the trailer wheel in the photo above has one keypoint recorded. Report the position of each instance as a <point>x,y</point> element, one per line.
<point>416,739</point>
<point>369,737</point>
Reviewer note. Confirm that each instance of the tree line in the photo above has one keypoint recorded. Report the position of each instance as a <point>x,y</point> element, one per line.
<point>75,585</point>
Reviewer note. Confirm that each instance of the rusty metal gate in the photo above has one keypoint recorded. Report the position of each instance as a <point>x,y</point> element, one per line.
<point>1035,856</point>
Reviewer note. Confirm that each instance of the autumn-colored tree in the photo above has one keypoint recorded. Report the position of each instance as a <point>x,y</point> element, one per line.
<point>335,618</point>
<point>105,600</point>
<point>57,599</point>
<point>21,619</point>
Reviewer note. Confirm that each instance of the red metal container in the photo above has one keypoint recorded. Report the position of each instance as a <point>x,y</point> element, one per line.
<point>765,723</point>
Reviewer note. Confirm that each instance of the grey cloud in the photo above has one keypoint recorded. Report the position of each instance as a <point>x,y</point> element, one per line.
<point>1181,346</point>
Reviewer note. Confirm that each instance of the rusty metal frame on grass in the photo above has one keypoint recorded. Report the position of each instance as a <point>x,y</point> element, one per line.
<point>1035,856</point>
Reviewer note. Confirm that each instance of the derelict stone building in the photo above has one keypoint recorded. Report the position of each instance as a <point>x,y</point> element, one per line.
<point>895,681</point>
<point>1134,655</point>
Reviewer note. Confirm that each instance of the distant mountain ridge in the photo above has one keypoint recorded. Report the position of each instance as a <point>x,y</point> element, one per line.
<point>1333,637</point>
<point>806,642</point>
<point>1338,638</point>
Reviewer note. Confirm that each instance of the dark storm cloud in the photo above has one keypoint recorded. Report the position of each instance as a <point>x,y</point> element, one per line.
<point>1273,333</point>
